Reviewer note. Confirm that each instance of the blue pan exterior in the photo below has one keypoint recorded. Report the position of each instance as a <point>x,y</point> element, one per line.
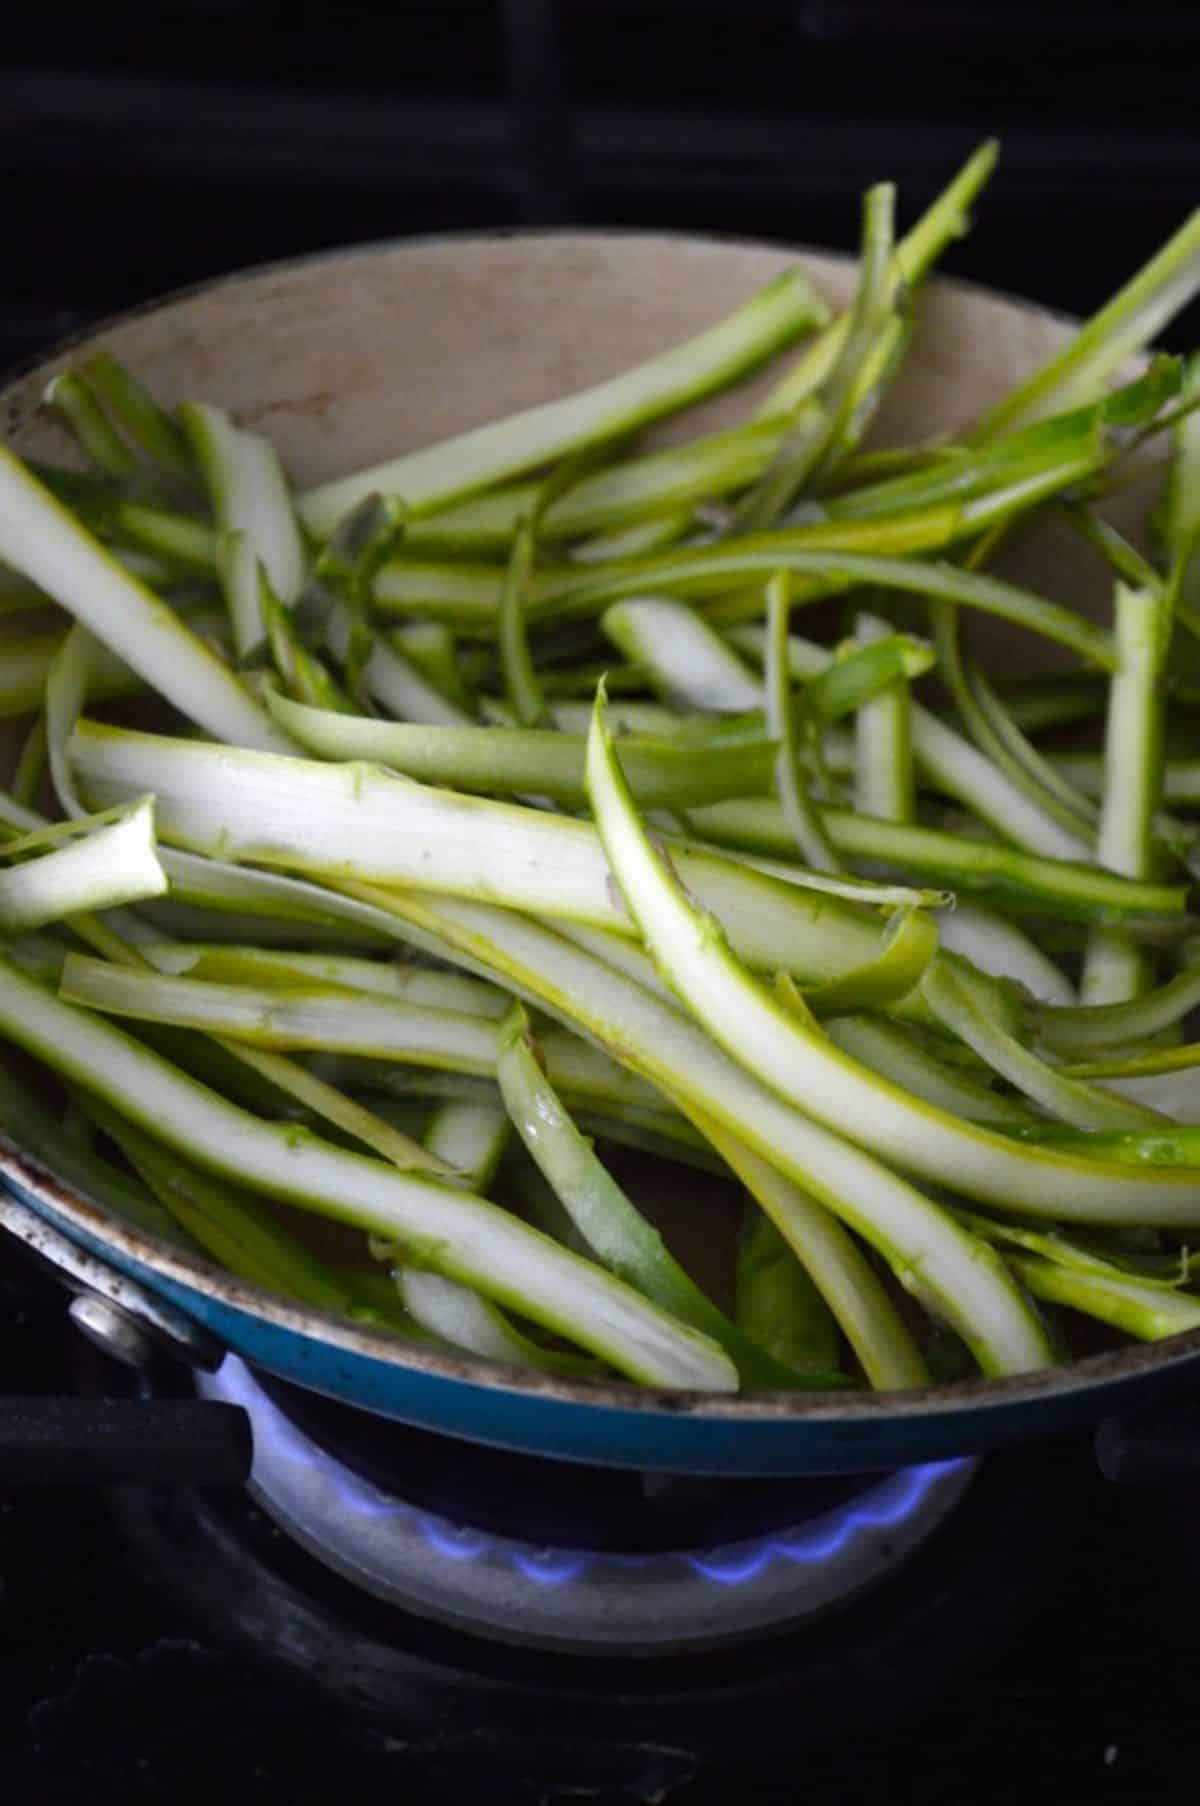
<point>770,1435</point>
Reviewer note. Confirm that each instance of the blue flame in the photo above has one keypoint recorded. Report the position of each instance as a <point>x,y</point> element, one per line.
<point>889,1503</point>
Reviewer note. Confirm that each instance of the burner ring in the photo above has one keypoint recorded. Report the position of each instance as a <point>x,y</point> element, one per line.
<point>613,1602</point>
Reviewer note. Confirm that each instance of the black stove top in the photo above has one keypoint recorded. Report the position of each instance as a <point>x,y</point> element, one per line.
<point>173,1645</point>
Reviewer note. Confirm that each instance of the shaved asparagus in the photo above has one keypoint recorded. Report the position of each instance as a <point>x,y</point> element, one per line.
<point>945,220</point>
<point>1053,886</point>
<point>778,1306</point>
<point>1132,319</point>
<point>800,1064</point>
<point>883,783</point>
<point>1147,1312</point>
<point>41,538</point>
<point>605,1219</point>
<point>799,811</point>
<point>471,1135</point>
<point>828,1038</point>
<point>417,985</point>
<point>712,573</point>
<point>335,819</point>
<point>453,1232</point>
<point>845,1280</point>
<point>1114,967</point>
<point>908,947</point>
<point>227,1222</point>
<point>100,867</point>
<point>487,454</point>
<point>633,493</point>
<point>511,762</point>
<point>897,1054</point>
<point>1084,1106</point>
<point>138,414</point>
<point>249,497</point>
<point>686,661</point>
<point>70,397</point>
<point>26,1121</point>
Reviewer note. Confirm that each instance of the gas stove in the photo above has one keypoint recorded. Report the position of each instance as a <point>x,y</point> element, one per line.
<point>385,1605</point>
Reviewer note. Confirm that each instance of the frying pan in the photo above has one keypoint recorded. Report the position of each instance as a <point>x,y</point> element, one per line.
<point>347,358</point>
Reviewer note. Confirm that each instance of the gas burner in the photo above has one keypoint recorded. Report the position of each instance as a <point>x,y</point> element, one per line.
<point>623,1602</point>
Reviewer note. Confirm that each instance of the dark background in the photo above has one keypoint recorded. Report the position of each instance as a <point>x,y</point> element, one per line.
<point>142,148</point>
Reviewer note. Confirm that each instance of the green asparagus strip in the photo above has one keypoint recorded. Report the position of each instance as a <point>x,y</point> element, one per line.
<point>517,761</point>
<point>645,490</point>
<point>1080,1256</point>
<point>297,1016</point>
<point>909,944</point>
<point>687,663</point>
<point>952,765</point>
<point>228,1222</point>
<point>25,662</point>
<point>1038,885</point>
<point>850,392</point>
<point>630,542</point>
<point>799,810</point>
<point>431,647</point>
<point>470,1136</point>
<point>832,1259</point>
<point>328,1021</point>
<point>1180,511</point>
<point>393,681</point>
<point>1147,1312</point>
<point>303,673</point>
<point>442,473</point>
<point>41,538</point>
<point>1116,968</point>
<point>1145,1064</point>
<point>98,869</point>
<point>897,1054</point>
<point>610,1226</point>
<point>417,985</point>
<point>468,595</point>
<point>454,1313</point>
<point>31,1127</point>
<point>183,545</point>
<point>948,218</point>
<point>138,414</point>
<point>521,684</point>
<point>449,1231</point>
<point>70,396</point>
<point>1132,319</point>
<point>31,761</point>
<point>996,945</point>
<point>249,495</point>
<point>1074,1031</point>
<point>329,819</point>
<point>883,767</point>
<point>799,1062</point>
<point>778,1306</point>
<point>1070,1100</point>
<point>856,674</point>
<point>711,572</point>
<point>1181,777</point>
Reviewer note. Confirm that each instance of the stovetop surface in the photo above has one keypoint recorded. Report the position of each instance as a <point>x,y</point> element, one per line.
<point>114,1690</point>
